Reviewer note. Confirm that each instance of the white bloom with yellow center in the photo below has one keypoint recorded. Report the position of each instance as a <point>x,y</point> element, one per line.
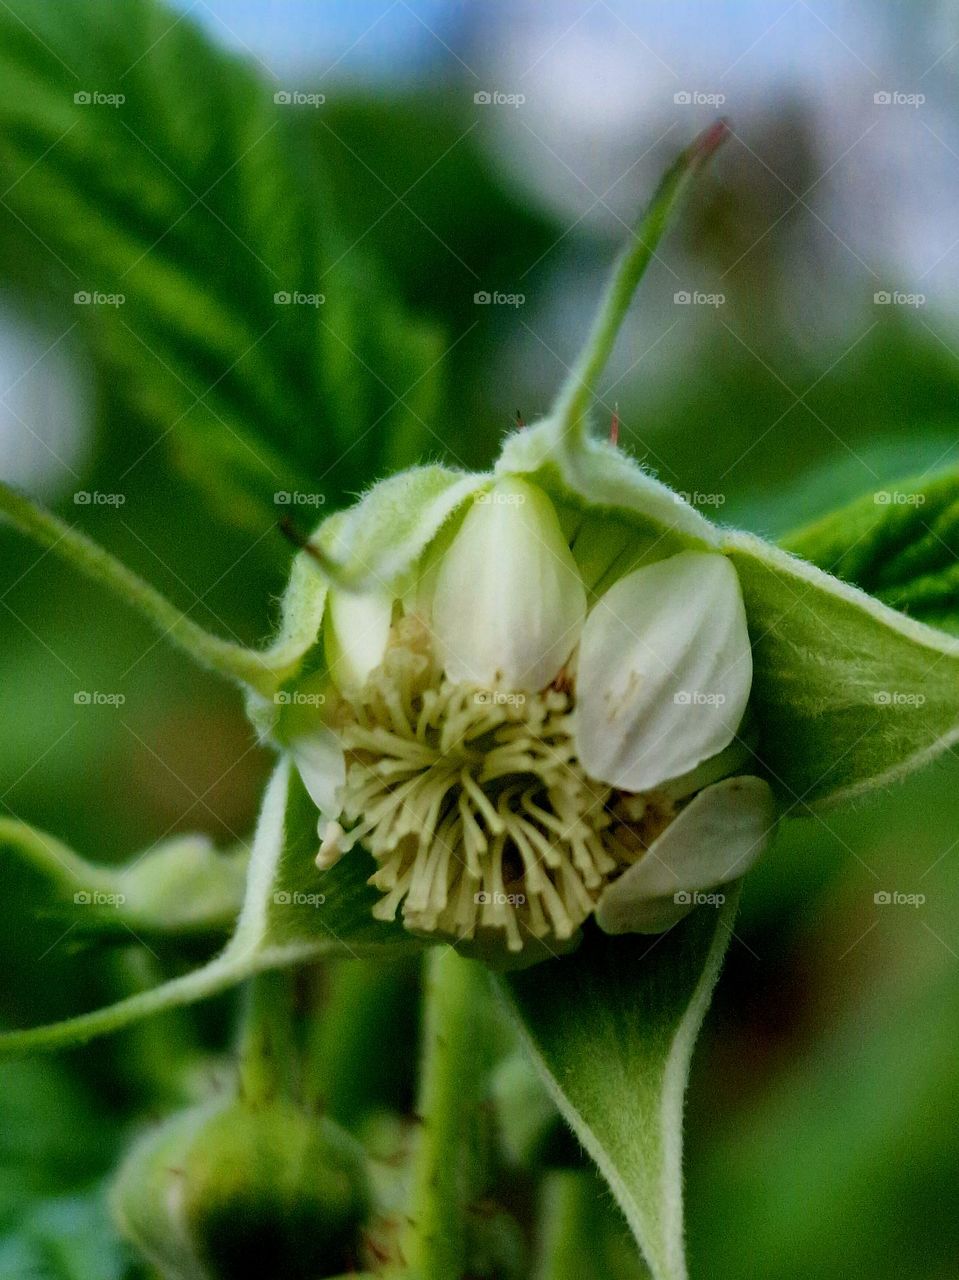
<point>538,725</point>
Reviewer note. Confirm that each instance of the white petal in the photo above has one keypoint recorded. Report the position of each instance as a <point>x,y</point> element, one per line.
<point>664,671</point>
<point>716,838</point>
<point>509,602</point>
<point>358,628</point>
<point>319,758</point>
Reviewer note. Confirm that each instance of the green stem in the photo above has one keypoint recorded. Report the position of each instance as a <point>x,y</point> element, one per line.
<point>568,1227</point>
<point>359,1006</point>
<point>267,1048</point>
<point>451,1083</point>
<point>579,389</point>
<point>261,671</point>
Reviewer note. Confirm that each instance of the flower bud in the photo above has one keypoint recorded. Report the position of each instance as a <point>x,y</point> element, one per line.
<point>224,1191</point>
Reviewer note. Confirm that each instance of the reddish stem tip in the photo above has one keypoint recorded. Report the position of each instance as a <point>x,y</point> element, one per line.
<point>709,141</point>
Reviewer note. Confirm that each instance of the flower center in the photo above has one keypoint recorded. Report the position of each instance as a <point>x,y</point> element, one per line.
<point>474,805</point>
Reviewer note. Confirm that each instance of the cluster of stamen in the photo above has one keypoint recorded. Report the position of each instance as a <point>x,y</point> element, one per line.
<point>473,804</point>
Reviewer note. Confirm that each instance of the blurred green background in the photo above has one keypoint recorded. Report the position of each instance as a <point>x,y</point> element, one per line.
<point>816,360</point>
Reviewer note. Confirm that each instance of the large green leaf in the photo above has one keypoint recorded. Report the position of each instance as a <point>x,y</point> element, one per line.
<point>198,199</point>
<point>612,1031</point>
<point>900,543</point>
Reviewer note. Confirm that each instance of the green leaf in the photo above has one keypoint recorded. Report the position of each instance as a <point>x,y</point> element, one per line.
<point>612,1031</point>
<point>198,199</point>
<point>899,543</point>
<point>180,886</point>
<point>848,694</point>
<point>290,914</point>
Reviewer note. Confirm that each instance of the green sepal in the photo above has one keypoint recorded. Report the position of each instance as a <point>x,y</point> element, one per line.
<point>611,1031</point>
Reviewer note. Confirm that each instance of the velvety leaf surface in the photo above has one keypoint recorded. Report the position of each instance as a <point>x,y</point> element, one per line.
<point>900,543</point>
<point>187,192</point>
<point>612,1030</point>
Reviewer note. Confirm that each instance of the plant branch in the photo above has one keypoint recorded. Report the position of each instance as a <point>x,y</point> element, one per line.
<point>580,387</point>
<point>451,1081</point>
<point>267,1050</point>
<point>260,671</point>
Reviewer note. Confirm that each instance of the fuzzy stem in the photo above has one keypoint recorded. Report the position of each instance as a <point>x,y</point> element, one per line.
<point>262,672</point>
<point>578,391</point>
<point>451,1081</point>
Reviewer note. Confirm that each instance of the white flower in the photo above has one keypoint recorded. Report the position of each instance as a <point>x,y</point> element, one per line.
<point>541,720</point>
